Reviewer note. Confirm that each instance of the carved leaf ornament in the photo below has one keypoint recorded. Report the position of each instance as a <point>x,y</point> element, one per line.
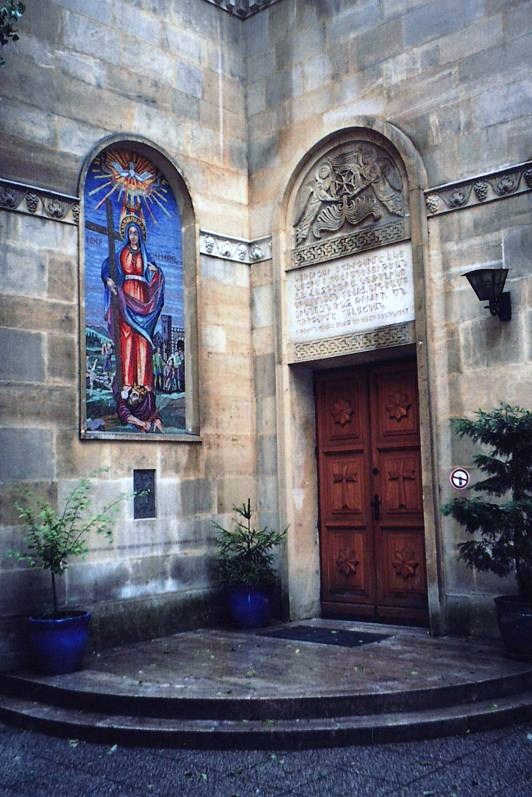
<point>342,412</point>
<point>347,562</point>
<point>404,563</point>
<point>398,407</point>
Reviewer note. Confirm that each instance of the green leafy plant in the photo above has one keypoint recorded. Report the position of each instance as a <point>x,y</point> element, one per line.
<point>10,13</point>
<point>53,537</point>
<point>246,553</point>
<point>503,526</point>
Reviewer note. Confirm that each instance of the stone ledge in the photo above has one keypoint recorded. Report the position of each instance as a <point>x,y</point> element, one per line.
<point>177,437</point>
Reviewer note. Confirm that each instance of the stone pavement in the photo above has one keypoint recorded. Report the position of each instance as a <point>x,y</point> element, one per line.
<point>494,763</point>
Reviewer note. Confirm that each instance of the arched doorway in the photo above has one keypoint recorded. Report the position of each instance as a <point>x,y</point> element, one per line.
<point>350,240</point>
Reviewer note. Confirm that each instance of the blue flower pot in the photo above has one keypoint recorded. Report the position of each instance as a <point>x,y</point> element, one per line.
<point>515,624</point>
<point>57,644</point>
<point>249,607</point>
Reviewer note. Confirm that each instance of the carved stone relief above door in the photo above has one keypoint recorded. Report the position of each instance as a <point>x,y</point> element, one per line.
<point>354,198</point>
<point>349,283</point>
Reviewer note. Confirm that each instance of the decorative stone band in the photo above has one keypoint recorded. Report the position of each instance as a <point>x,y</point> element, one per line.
<point>49,204</point>
<point>353,343</point>
<point>359,241</point>
<point>236,249</point>
<point>38,202</point>
<point>479,190</point>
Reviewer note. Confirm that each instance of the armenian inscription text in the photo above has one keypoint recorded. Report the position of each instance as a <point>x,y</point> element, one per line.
<point>353,294</point>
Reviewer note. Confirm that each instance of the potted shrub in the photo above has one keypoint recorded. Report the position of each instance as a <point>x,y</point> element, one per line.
<point>502,527</point>
<point>58,638</point>
<point>245,564</point>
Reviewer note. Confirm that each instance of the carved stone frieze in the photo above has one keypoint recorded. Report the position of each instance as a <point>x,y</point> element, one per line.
<point>240,251</point>
<point>38,202</point>
<point>478,190</point>
<point>384,337</point>
<point>361,241</point>
<point>356,190</point>
<point>242,8</point>
<point>10,197</point>
<point>55,208</point>
<point>32,202</point>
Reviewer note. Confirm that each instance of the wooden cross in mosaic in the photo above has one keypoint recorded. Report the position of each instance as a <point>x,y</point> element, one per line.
<point>112,236</point>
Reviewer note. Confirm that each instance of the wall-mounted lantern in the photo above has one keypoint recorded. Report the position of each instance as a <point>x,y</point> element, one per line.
<point>488,284</point>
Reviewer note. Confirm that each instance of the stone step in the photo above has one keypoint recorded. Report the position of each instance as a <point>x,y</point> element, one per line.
<point>263,708</point>
<point>265,734</point>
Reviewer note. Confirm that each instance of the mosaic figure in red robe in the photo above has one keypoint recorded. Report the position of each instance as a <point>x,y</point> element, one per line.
<point>138,285</point>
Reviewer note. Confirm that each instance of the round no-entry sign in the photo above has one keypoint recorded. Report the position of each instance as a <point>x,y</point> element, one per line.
<point>459,478</point>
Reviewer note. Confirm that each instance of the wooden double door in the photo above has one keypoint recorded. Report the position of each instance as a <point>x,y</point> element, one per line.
<point>369,470</point>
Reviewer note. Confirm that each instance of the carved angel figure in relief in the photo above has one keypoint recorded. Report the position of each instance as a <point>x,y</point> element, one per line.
<point>312,195</point>
<point>350,187</point>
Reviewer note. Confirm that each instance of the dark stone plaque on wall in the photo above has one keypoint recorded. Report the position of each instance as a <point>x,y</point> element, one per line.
<point>144,488</point>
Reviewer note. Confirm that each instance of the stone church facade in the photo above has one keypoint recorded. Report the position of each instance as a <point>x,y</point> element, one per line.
<point>337,165</point>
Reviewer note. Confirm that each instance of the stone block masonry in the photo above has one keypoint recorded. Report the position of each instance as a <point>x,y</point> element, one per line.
<point>236,101</point>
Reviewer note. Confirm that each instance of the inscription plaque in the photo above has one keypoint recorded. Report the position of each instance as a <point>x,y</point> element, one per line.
<point>351,294</point>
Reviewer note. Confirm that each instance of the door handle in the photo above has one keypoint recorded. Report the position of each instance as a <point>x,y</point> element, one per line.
<point>376,506</point>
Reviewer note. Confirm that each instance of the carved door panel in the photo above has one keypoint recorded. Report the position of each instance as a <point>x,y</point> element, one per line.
<point>344,446</point>
<point>371,520</point>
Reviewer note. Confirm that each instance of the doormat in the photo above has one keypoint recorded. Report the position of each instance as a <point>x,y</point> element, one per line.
<point>325,636</point>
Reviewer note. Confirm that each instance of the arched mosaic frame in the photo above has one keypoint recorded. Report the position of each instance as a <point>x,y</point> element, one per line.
<point>174,411</point>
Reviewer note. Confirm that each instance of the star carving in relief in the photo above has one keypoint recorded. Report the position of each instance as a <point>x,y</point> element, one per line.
<point>347,562</point>
<point>342,412</point>
<point>398,406</point>
<point>405,564</point>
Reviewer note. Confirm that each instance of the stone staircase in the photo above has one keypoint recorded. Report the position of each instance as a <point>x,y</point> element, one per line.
<point>105,703</point>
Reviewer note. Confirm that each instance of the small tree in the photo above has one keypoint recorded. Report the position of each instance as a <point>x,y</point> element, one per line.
<point>246,553</point>
<point>53,537</point>
<point>504,526</point>
<point>10,13</point>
